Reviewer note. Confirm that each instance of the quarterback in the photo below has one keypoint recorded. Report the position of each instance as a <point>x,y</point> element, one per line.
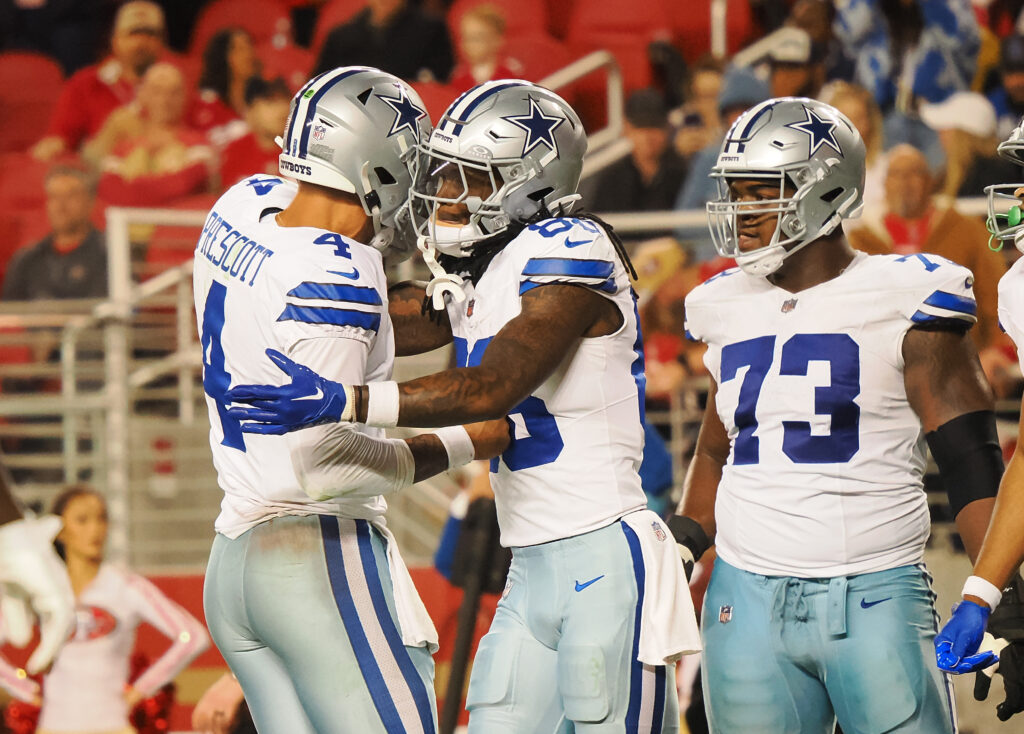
<point>831,371</point>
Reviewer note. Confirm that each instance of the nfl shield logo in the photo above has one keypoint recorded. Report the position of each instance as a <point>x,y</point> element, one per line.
<point>725,614</point>
<point>319,131</point>
<point>789,305</point>
<point>658,532</point>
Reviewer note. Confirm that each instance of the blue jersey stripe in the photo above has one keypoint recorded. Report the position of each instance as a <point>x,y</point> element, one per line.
<point>637,368</point>
<point>387,623</point>
<point>382,701</point>
<point>337,292</point>
<point>606,286</point>
<point>336,316</point>
<point>311,107</point>
<point>568,266</point>
<point>636,667</point>
<point>921,317</point>
<point>952,302</point>
<point>660,676</point>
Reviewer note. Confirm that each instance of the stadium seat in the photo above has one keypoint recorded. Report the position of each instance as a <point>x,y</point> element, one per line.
<point>173,245</point>
<point>539,54</point>
<point>559,17</point>
<point>28,90</point>
<point>288,61</point>
<point>691,27</point>
<point>332,13</point>
<point>435,96</point>
<point>265,20</point>
<point>522,17</point>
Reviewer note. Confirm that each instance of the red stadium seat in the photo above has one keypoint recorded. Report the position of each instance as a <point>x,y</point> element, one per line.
<point>522,17</point>
<point>265,20</point>
<point>333,13</point>
<point>29,83</point>
<point>436,97</point>
<point>290,62</point>
<point>173,245</point>
<point>560,16</point>
<point>539,54</point>
<point>691,27</point>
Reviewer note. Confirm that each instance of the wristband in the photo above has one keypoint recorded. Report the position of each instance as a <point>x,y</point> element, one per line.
<point>382,404</point>
<point>348,413</point>
<point>458,444</point>
<point>979,587</point>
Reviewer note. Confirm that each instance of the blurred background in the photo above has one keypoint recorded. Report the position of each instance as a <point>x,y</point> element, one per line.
<point>122,122</point>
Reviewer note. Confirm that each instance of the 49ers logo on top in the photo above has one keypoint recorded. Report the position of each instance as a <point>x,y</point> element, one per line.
<point>92,623</point>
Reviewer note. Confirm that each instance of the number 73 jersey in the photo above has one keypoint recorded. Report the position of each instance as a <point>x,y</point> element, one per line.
<point>825,470</point>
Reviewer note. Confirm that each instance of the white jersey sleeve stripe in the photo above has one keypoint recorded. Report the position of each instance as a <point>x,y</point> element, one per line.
<point>335,316</point>
<point>337,292</point>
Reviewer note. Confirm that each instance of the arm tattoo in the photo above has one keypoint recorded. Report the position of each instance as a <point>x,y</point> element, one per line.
<point>943,376</point>
<point>415,331</point>
<point>526,351</point>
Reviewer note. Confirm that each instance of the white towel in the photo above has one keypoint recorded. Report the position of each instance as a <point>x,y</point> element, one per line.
<point>417,628</point>
<point>668,623</point>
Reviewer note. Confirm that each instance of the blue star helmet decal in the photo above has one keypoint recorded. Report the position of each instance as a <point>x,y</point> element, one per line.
<point>407,114</point>
<point>821,131</point>
<point>539,127</point>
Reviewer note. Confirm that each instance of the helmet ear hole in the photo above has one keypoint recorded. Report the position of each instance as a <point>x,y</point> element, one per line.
<point>540,194</point>
<point>830,196</point>
<point>384,176</point>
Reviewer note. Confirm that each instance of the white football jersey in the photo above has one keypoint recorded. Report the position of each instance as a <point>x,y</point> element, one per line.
<point>578,439</point>
<point>1011,303</point>
<point>259,285</point>
<point>824,476</point>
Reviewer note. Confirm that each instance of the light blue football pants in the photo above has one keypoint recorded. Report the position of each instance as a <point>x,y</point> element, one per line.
<point>560,655</point>
<point>785,655</point>
<point>302,610</point>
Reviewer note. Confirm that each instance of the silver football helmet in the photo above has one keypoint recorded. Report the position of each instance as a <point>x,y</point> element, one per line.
<point>505,151</point>
<point>816,157</point>
<point>355,129</point>
<point>1005,220</point>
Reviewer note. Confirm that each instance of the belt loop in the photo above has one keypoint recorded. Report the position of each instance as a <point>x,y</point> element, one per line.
<point>837,605</point>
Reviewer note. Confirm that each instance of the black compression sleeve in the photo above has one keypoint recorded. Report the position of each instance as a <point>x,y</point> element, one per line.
<point>970,461</point>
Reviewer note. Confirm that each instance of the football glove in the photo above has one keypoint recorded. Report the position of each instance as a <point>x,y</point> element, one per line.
<point>956,645</point>
<point>1007,624</point>
<point>691,541</point>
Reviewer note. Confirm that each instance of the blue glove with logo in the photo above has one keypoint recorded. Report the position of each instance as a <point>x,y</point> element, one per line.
<point>956,646</point>
<point>308,400</point>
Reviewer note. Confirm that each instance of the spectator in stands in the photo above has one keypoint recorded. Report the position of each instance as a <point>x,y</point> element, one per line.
<point>910,49</point>
<point>71,31</point>
<point>795,71</point>
<point>88,97</point>
<point>87,689</point>
<point>155,157</point>
<point>256,152</point>
<point>741,89</point>
<point>1008,97</point>
<point>966,124</point>
<point>860,107</point>
<point>229,62</point>
<point>816,17</point>
<point>481,40</point>
<point>649,178</point>
<point>697,121</point>
<point>71,261</point>
<point>915,221</point>
<point>392,36</point>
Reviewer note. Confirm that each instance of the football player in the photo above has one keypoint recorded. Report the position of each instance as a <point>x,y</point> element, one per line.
<point>33,581</point>
<point>993,594</point>
<point>306,594</point>
<point>831,371</point>
<point>544,321</point>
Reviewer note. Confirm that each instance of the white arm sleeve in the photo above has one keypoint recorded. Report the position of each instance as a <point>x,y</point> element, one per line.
<point>339,460</point>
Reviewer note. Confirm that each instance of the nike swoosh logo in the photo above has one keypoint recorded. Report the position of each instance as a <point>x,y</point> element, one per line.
<point>351,276</point>
<point>318,395</point>
<point>576,243</point>
<point>865,604</point>
<point>581,587</point>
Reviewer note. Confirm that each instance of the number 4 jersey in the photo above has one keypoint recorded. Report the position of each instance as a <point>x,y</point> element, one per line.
<point>825,472</point>
<point>578,439</point>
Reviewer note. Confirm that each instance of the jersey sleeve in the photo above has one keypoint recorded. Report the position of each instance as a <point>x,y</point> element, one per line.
<point>331,303</point>
<point>940,295</point>
<point>187,635</point>
<point>701,316</point>
<point>571,251</point>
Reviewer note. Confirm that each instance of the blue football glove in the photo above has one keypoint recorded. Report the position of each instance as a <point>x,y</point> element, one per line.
<point>956,646</point>
<point>308,400</point>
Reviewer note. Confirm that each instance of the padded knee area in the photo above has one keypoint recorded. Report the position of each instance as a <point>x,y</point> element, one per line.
<point>582,681</point>
<point>496,659</point>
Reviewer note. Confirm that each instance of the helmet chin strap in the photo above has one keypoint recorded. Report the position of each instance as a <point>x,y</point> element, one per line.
<point>442,282</point>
